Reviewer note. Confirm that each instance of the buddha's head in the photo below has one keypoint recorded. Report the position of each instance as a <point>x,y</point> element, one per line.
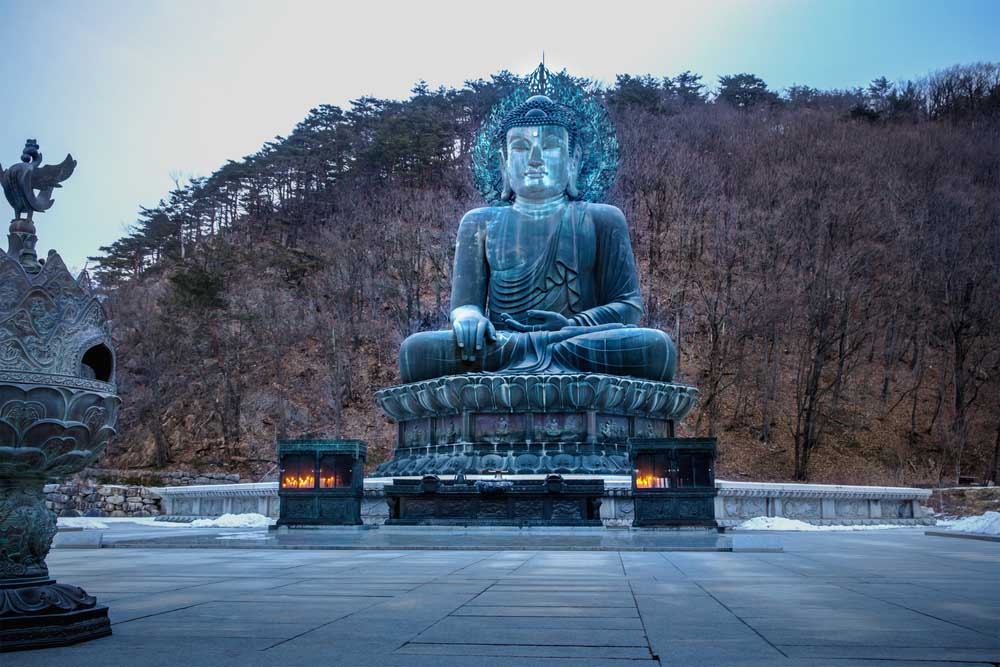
<point>540,157</point>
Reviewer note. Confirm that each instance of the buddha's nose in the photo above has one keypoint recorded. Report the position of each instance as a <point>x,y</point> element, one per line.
<point>536,155</point>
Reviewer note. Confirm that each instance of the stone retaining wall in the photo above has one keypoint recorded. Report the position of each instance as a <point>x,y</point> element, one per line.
<point>159,478</point>
<point>83,499</point>
<point>736,502</point>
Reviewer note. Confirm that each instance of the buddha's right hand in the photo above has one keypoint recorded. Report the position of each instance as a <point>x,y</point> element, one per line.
<point>472,331</point>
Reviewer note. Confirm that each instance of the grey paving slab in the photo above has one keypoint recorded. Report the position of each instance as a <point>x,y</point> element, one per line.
<point>538,636</point>
<point>896,598</point>
<point>565,651</point>
<point>469,624</point>
<point>550,612</point>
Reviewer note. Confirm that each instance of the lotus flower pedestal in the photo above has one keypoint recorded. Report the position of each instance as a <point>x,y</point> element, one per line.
<point>527,424</point>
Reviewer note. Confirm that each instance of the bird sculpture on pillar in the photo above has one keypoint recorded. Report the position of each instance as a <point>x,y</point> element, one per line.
<point>20,182</point>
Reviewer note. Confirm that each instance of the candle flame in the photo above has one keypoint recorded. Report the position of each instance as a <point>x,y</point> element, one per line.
<point>296,482</point>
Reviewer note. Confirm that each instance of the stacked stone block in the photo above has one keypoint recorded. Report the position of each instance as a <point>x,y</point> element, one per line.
<point>101,500</point>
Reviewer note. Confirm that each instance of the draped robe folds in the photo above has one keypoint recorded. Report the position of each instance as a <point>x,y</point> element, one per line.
<point>580,265</point>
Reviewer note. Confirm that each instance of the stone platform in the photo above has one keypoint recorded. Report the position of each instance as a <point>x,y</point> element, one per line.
<point>871,599</point>
<point>527,424</point>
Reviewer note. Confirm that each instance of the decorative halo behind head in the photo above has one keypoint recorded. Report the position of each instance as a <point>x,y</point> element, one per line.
<point>550,99</point>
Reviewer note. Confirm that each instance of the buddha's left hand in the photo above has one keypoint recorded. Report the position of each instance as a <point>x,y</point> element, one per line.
<point>545,320</point>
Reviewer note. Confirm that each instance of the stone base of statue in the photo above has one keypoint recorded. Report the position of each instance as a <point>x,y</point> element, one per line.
<point>527,424</point>
<point>553,501</point>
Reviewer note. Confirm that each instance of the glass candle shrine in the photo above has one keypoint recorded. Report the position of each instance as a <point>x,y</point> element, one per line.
<point>321,482</point>
<point>673,481</point>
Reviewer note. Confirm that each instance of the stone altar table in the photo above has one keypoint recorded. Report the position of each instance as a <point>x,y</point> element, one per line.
<point>553,501</point>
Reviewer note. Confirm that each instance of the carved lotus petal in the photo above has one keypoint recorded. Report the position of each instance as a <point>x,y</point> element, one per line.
<point>649,397</point>
<point>477,396</point>
<point>518,389</point>
<point>22,414</point>
<point>21,461</point>
<point>442,397</point>
<point>55,401</point>
<point>41,432</point>
<point>544,395</point>
<point>409,401</point>
<point>425,397</point>
<point>491,462</point>
<point>610,395</point>
<point>618,462</point>
<point>100,440</point>
<point>391,405</point>
<point>628,392</point>
<point>688,402</point>
<point>499,391</point>
<point>658,399</point>
<point>82,405</point>
<point>674,395</point>
<point>581,394</point>
<point>56,447</point>
<point>69,463</point>
<point>8,434</point>
<point>456,385</point>
<point>637,396</point>
<point>564,463</point>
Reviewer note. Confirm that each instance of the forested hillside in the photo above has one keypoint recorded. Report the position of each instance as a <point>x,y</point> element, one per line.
<point>828,263</point>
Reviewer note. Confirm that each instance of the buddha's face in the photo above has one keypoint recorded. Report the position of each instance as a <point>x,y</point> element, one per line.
<point>538,163</point>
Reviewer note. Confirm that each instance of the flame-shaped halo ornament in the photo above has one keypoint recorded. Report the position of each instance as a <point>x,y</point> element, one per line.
<point>595,135</point>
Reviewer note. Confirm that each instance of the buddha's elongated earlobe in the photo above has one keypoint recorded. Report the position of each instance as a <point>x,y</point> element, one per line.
<point>574,173</point>
<point>506,193</point>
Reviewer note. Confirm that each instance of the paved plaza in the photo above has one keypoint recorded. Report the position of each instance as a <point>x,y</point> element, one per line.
<point>894,597</point>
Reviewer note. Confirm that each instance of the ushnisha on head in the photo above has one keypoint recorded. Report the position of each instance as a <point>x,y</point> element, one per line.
<point>540,160</point>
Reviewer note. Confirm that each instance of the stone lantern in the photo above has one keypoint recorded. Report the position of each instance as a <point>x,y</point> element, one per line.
<point>58,408</point>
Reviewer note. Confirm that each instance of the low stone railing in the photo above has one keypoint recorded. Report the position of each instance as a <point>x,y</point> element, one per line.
<point>736,502</point>
<point>820,503</point>
<point>212,500</point>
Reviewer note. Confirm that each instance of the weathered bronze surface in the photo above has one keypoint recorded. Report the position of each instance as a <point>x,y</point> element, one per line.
<point>673,483</point>
<point>19,184</point>
<point>321,481</point>
<point>548,284</point>
<point>58,409</point>
<point>528,424</point>
<point>544,369</point>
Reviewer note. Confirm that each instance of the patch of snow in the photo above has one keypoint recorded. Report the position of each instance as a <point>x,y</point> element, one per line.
<point>984,524</point>
<point>782,523</point>
<point>251,520</point>
<point>244,536</point>
<point>101,523</point>
<point>85,522</point>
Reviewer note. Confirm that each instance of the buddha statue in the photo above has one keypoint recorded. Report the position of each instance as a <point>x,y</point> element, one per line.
<point>547,284</point>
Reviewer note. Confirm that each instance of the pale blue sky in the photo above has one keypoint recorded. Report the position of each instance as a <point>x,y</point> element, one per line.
<point>139,90</point>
